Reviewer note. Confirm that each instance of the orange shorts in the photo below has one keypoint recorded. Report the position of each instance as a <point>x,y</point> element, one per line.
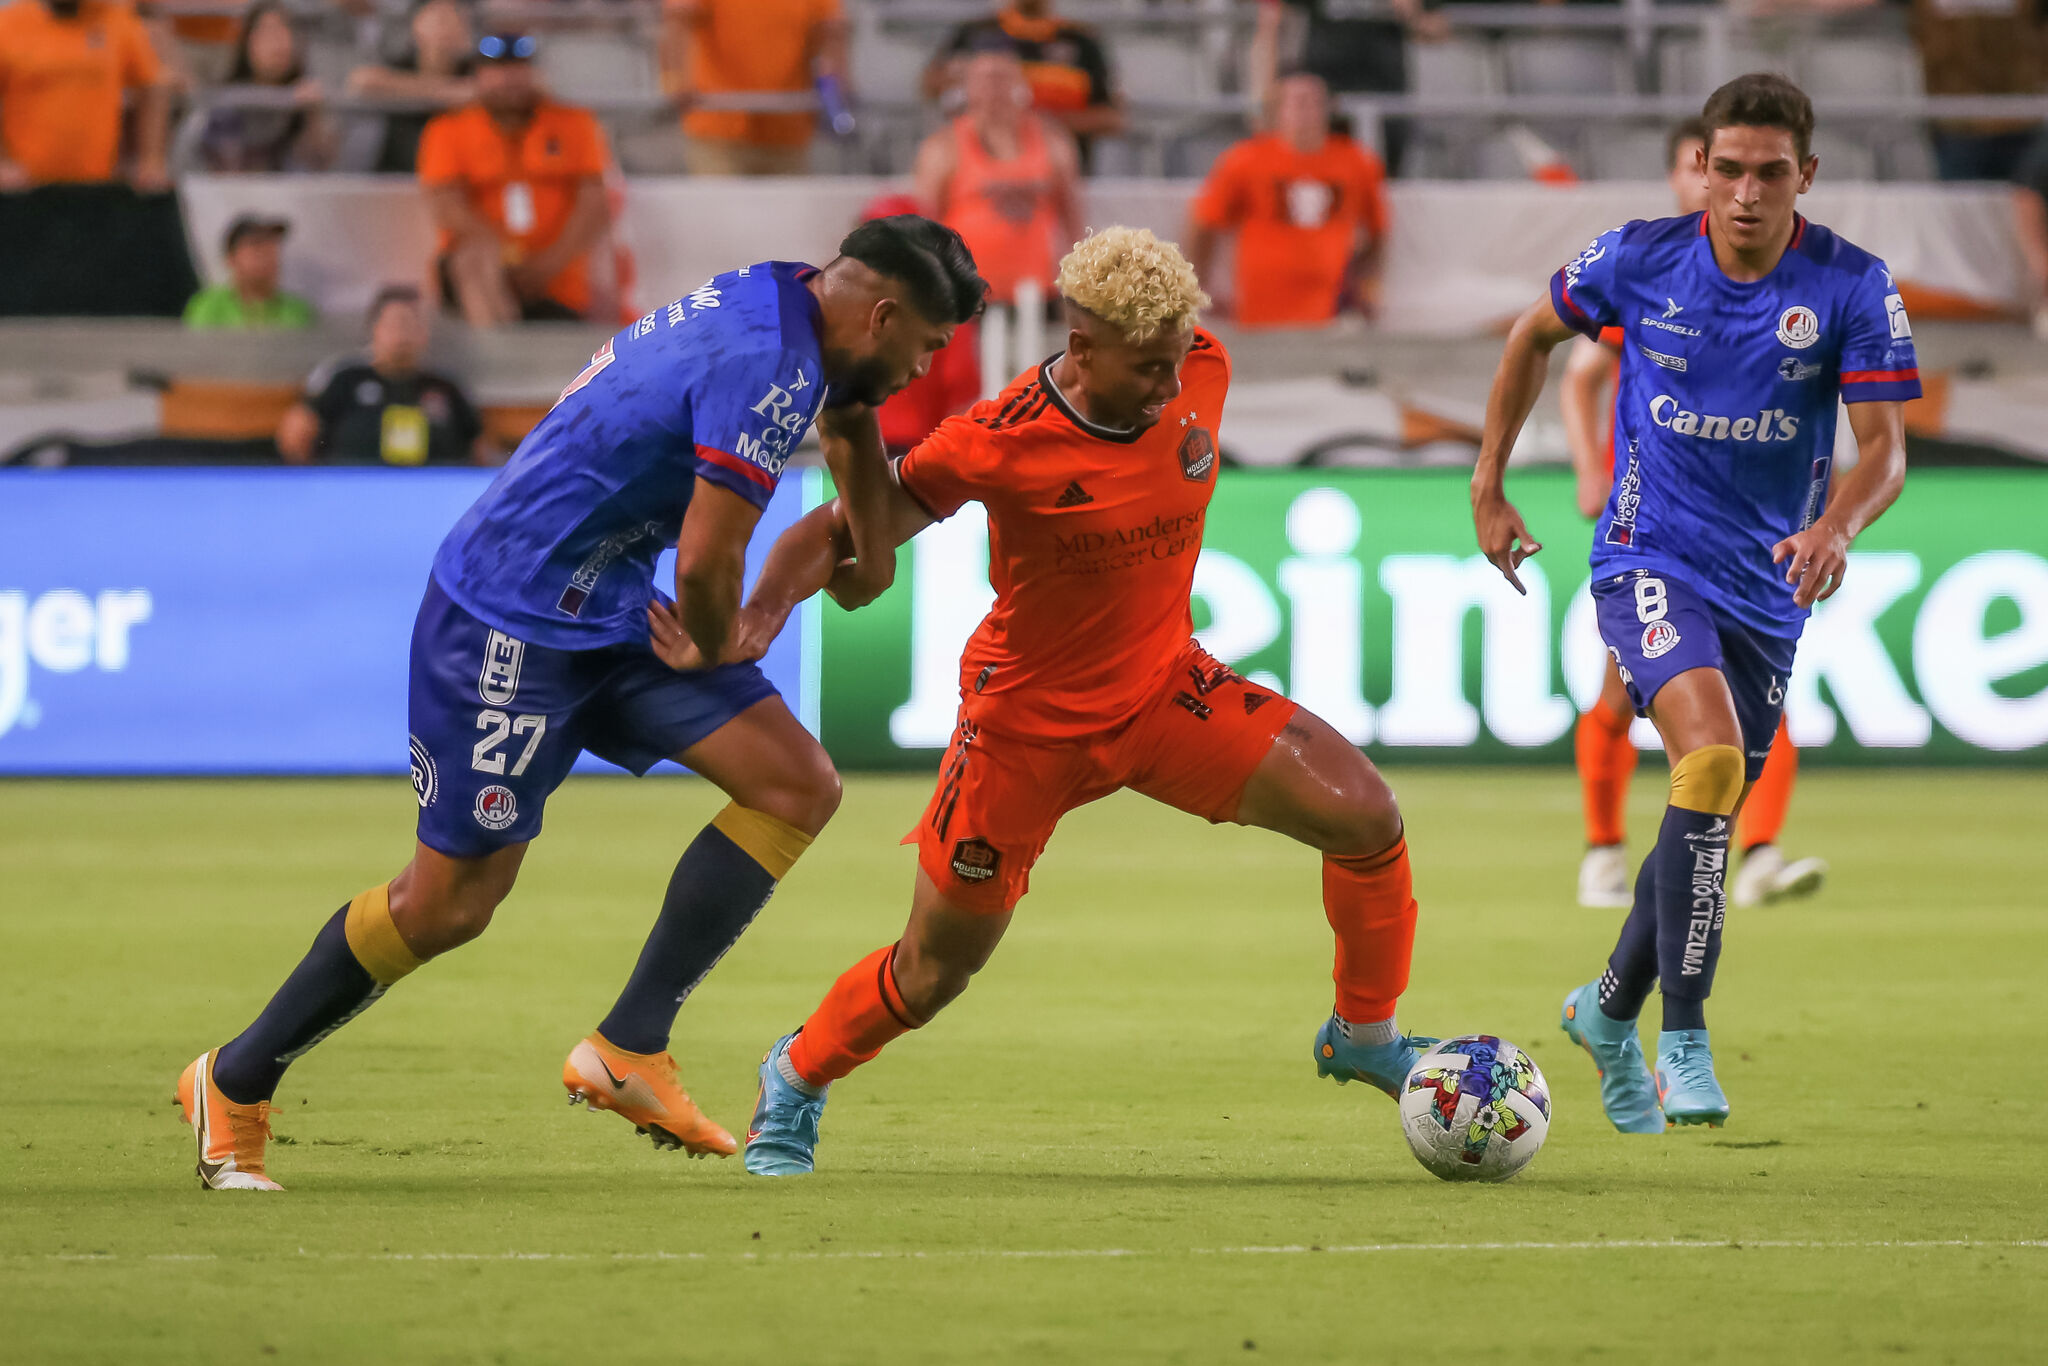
<point>1193,746</point>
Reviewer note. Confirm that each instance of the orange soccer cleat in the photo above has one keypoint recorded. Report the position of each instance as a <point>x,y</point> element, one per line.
<point>231,1136</point>
<point>642,1087</point>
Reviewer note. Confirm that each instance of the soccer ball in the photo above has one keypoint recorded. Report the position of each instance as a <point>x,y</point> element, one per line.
<point>1475,1108</point>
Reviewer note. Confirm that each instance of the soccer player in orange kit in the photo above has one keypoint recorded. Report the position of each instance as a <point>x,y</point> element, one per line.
<point>1096,468</point>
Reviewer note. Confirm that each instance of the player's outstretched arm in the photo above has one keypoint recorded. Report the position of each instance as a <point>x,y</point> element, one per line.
<point>852,440</point>
<point>711,566</point>
<point>1816,559</point>
<point>818,553</point>
<point>1502,537</point>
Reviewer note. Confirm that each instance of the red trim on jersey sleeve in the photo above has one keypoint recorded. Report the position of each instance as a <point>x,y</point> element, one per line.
<point>1880,376</point>
<point>1613,336</point>
<point>1576,318</point>
<point>746,469</point>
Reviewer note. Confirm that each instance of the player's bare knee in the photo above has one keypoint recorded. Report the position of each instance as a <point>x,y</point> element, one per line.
<point>1378,827</point>
<point>821,793</point>
<point>447,905</point>
<point>432,925</point>
<point>804,797</point>
<point>1367,821</point>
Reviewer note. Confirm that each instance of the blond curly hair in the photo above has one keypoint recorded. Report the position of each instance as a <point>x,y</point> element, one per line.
<point>1132,281</point>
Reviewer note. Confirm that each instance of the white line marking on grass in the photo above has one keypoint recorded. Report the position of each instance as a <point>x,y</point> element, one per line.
<point>1075,1253</point>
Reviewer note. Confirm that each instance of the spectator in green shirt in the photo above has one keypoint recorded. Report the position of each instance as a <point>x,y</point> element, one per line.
<point>250,297</point>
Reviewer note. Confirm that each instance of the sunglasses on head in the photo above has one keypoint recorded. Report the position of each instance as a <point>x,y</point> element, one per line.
<point>496,48</point>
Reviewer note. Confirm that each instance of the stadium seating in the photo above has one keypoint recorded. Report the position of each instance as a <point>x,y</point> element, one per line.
<point>1624,153</point>
<point>1181,69</point>
<point>598,67</point>
<point>1457,67</point>
<point>1565,65</point>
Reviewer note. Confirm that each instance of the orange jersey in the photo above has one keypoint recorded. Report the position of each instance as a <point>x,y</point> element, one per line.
<point>60,87</point>
<point>1298,219</point>
<point>526,184</point>
<point>1003,208</point>
<point>1093,537</point>
<point>752,45</point>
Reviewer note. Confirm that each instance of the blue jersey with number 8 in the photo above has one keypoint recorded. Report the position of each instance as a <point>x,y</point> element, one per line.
<point>1724,423</point>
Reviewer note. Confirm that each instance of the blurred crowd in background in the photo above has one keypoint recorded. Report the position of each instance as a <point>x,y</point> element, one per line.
<point>106,103</point>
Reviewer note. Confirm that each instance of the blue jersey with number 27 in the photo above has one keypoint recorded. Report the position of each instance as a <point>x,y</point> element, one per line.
<point>720,385</point>
<point>1724,423</point>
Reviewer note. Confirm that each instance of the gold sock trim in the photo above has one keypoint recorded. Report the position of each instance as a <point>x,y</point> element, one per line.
<point>774,844</point>
<point>1708,780</point>
<point>374,939</point>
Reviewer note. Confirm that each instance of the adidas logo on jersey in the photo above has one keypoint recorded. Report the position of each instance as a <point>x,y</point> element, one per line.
<point>1769,424</point>
<point>1074,497</point>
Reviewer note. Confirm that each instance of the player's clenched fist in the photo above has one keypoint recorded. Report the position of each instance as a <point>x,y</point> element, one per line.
<point>1502,538</point>
<point>1815,561</point>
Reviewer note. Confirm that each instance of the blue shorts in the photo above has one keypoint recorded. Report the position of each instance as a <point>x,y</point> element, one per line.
<point>496,722</point>
<point>1657,627</point>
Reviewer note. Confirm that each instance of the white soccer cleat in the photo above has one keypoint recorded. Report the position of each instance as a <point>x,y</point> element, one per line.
<point>1765,877</point>
<point>1603,878</point>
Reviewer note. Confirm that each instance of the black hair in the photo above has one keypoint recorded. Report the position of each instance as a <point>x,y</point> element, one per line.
<point>1688,130</point>
<point>242,72</point>
<point>391,294</point>
<point>1762,99</point>
<point>927,258</point>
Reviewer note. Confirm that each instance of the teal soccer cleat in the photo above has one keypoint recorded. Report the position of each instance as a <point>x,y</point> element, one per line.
<point>783,1135</point>
<point>1383,1066</point>
<point>1685,1079</point>
<point>1627,1091</point>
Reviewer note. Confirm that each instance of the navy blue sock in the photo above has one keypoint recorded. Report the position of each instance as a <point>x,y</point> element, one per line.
<point>325,991</point>
<point>717,890</point>
<point>1692,860</point>
<point>1632,967</point>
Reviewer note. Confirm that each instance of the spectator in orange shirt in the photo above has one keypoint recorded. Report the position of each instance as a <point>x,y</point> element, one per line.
<point>1004,178</point>
<point>515,183</point>
<point>753,47</point>
<point>64,66</point>
<point>1309,210</point>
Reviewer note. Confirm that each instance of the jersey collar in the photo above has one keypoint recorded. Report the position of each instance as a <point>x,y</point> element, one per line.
<point>1123,436</point>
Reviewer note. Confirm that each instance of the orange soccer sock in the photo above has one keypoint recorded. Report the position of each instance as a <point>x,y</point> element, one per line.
<point>1763,814</point>
<point>1607,760</point>
<point>1370,902</point>
<point>857,1018</point>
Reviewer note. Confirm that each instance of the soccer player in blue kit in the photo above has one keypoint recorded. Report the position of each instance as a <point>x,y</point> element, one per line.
<point>1743,324</point>
<point>541,635</point>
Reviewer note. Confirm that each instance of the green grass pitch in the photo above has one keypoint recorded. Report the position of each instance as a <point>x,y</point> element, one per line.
<point>1113,1149</point>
